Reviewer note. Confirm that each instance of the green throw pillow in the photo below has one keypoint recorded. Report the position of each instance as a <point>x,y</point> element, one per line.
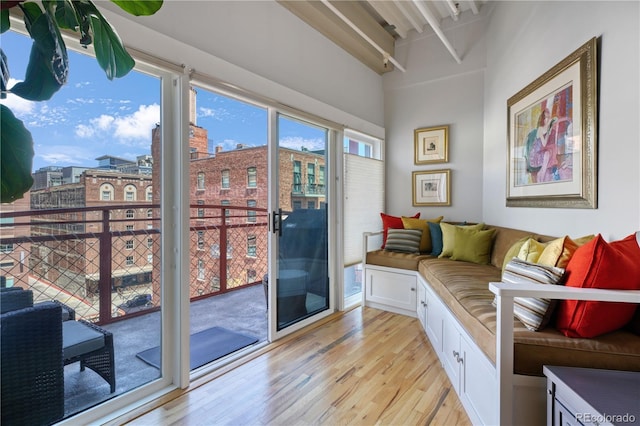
<point>473,245</point>
<point>514,250</point>
<point>449,236</point>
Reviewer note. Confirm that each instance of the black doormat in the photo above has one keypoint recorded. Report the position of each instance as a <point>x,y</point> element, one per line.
<point>206,346</point>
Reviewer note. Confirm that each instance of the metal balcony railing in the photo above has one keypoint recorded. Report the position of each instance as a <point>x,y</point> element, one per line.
<point>104,261</point>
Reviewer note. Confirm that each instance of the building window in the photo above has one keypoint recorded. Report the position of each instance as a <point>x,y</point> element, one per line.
<point>297,177</point>
<point>215,251</point>
<point>6,248</point>
<point>200,183</point>
<point>200,240</point>
<point>106,192</point>
<point>251,275</point>
<point>225,179</point>
<point>128,244</point>
<point>251,246</point>
<point>311,205</point>
<point>129,261</point>
<point>297,204</point>
<point>6,265</point>
<point>229,252</point>
<point>130,214</point>
<point>129,228</point>
<point>200,269</point>
<point>200,209</point>
<point>252,177</point>
<point>311,173</point>
<point>149,213</point>
<point>149,258</point>
<point>149,242</point>
<point>227,212</point>
<point>251,214</point>
<point>130,193</point>
<point>149,193</point>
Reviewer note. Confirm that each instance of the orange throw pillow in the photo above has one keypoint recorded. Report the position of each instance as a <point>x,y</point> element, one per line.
<point>389,221</point>
<point>598,264</point>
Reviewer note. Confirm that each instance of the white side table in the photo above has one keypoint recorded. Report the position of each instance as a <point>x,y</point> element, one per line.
<point>586,396</point>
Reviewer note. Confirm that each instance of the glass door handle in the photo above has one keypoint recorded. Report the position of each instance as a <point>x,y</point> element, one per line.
<point>276,218</point>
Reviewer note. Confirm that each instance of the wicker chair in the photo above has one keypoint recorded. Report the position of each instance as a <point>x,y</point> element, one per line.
<point>31,365</point>
<point>26,353</point>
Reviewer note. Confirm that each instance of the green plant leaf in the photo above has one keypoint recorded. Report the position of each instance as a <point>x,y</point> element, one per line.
<point>139,8</point>
<point>5,24</point>
<point>4,78</point>
<point>48,63</point>
<point>111,55</point>
<point>64,12</point>
<point>16,157</point>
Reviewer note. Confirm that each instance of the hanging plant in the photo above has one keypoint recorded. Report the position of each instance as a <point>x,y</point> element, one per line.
<point>48,69</point>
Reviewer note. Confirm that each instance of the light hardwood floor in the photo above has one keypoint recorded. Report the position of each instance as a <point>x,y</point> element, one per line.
<point>365,367</point>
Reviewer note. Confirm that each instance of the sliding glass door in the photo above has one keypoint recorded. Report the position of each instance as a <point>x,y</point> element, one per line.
<point>299,222</point>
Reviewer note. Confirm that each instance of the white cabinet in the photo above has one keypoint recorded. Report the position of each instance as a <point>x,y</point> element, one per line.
<point>391,289</point>
<point>471,373</point>
<point>430,311</point>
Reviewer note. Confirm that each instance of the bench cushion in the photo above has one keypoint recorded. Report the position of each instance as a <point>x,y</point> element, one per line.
<point>463,287</point>
<point>79,339</point>
<point>408,261</point>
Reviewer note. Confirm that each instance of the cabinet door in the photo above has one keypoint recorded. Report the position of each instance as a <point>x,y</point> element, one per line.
<point>478,377</point>
<point>422,305</point>
<point>451,352</point>
<point>391,289</point>
<point>434,318</point>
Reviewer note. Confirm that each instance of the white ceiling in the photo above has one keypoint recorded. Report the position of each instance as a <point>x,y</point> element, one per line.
<point>367,29</point>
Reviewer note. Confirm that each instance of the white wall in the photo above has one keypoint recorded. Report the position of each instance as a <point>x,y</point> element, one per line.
<point>505,49</point>
<point>261,47</point>
<point>524,40</point>
<point>434,91</point>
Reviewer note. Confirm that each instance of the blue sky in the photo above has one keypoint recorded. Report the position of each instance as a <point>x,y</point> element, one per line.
<point>91,116</point>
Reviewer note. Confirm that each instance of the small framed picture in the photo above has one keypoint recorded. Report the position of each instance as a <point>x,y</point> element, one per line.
<point>432,188</point>
<point>431,145</point>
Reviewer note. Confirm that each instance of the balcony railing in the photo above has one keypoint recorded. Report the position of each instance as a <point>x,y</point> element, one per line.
<point>104,261</point>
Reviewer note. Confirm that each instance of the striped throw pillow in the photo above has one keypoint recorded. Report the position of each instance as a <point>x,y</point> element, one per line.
<point>403,240</point>
<point>533,312</point>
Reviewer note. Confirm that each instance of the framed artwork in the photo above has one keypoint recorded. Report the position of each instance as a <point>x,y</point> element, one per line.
<point>432,188</point>
<point>552,136</point>
<point>431,145</point>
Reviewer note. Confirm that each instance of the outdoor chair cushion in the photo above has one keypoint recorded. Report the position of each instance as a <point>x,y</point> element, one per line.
<point>79,339</point>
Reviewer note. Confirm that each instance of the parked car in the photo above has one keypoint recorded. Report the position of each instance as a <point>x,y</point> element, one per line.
<point>137,303</point>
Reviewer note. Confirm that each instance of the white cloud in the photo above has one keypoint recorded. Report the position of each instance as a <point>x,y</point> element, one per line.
<point>297,143</point>
<point>20,107</point>
<point>139,124</point>
<point>127,129</point>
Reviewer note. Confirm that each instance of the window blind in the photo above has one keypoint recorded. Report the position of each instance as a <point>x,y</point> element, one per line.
<point>363,202</point>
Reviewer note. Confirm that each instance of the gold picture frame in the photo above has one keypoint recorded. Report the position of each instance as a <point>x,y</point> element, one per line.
<point>431,188</point>
<point>431,145</point>
<point>552,136</point>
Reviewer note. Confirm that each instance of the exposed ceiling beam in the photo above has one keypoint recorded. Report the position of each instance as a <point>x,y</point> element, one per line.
<point>351,27</point>
<point>386,55</point>
<point>433,21</point>
<point>403,8</point>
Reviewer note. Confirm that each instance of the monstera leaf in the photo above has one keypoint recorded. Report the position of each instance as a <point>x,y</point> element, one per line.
<point>48,68</point>
<point>16,155</point>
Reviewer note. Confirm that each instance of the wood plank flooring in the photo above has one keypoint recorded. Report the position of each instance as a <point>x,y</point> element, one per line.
<point>367,367</point>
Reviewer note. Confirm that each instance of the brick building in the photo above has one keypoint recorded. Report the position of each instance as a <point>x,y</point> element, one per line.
<point>234,184</point>
<point>121,199</point>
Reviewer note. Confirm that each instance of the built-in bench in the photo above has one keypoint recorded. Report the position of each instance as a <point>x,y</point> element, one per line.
<point>454,301</point>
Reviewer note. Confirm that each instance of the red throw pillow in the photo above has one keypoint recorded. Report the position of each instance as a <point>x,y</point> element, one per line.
<point>599,264</point>
<point>392,222</point>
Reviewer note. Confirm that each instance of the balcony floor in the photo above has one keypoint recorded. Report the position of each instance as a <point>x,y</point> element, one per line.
<point>241,310</point>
